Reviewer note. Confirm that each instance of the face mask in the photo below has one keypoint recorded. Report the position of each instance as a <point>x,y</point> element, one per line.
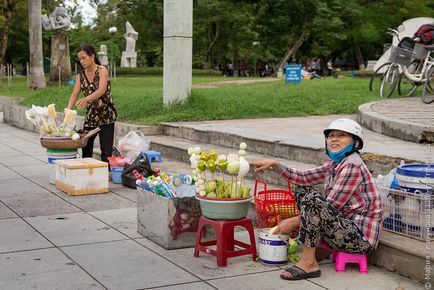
<point>337,157</point>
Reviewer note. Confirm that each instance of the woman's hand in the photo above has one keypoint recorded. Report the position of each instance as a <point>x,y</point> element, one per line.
<point>261,165</point>
<point>82,103</point>
<point>286,226</point>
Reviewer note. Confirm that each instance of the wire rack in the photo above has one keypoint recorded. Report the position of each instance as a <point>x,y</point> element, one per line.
<point>401,55</point>
<point>409,214</point>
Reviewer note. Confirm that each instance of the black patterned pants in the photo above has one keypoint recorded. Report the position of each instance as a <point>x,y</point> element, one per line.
<point>106,136</point>
<point>319,219</point>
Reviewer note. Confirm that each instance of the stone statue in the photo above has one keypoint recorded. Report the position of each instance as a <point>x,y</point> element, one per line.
<point>102,55</point>
<point>129,56</point>
<point>58,19</point>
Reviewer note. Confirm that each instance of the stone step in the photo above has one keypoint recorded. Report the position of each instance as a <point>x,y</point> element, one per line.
<point>378,163</point>
<point>256,145</point>
<point>409,257</point>
<point>406,118</point>
<point>176,148</point>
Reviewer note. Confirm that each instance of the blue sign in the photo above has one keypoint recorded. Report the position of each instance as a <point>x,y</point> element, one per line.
<point>293,73</point>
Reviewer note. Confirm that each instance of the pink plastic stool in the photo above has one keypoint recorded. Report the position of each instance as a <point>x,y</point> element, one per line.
<point>341,258</point>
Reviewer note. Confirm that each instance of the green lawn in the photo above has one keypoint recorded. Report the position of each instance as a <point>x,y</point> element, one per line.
<point>139,99</point>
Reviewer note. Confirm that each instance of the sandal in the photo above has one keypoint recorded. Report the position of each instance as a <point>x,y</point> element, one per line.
<point>299,274</point>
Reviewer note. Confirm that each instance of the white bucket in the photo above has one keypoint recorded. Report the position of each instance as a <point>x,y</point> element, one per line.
<point>273,249</point>
<point>415,178</point>
<point>53,155</point>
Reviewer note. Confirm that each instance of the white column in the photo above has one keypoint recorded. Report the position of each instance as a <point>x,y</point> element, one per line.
<point>178,50</point>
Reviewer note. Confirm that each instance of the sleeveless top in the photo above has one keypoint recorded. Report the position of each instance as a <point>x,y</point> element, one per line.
<point>101,111</point>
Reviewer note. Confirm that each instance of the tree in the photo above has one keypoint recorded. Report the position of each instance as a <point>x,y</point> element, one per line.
<point>285,26</point>
<point>7,7</point>
<point>36,74</point>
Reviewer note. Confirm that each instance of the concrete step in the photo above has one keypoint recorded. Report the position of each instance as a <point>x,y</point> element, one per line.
<point>406,256</point>
<point>176,148</point>
<point>273,148</point>
<point>379,162</point>
<point>404,118</point>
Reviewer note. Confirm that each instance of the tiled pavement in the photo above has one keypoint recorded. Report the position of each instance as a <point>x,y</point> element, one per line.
<point>49,240</point>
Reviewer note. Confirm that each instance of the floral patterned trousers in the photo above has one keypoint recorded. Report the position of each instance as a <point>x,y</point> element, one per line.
<point>319,219</point>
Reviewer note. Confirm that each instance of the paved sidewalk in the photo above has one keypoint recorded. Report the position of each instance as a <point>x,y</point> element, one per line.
<point>49,240</point>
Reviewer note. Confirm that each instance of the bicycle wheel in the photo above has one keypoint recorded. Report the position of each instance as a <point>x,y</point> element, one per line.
<point>407,87</point>
<point>377,77</point>
<point>389,81</point>
<point>428,88</point>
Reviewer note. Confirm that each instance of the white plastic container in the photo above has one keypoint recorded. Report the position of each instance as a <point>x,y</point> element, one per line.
<point>58,154</point>
<point>416,178</point>
<point>82,176</point>
<point>273,249</point>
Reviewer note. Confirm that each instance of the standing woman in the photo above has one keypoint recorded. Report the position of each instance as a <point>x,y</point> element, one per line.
<point>93,82</point>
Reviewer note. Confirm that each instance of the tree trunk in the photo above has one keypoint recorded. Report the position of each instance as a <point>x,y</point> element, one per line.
<point>4,32</point>
<point>358,55</point>
<point>213,34</point>
<point>36,74</point>
<point>291,50</point>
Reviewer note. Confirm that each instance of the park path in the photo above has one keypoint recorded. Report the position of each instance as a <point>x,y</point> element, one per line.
<point>232,82</point>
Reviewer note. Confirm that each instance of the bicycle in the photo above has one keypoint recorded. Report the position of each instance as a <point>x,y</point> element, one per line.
<point>402,64</point>
<point>429,81</point>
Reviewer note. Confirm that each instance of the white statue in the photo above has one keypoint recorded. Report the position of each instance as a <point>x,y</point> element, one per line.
<point>58,19</point>
<point>102,55</point>
<point>129,56</point>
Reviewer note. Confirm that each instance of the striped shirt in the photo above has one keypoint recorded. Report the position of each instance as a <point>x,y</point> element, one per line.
<point>349,187</point>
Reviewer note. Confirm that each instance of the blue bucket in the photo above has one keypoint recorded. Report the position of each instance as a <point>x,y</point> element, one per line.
<point>117,174</point>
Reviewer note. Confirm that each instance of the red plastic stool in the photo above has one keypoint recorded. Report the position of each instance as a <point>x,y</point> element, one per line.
<point>341,258</point>
<point>225,242</point>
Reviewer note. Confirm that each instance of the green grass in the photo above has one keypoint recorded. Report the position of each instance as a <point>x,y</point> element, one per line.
<point>139,99</point>
<point>158,71</point>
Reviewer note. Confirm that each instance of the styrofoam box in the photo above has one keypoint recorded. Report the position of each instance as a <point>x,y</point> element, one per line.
<point>82,176</point>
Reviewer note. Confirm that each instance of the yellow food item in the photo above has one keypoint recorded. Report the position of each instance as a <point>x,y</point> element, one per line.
<point>271,231</point>
<point>68,117</point>
<point>52,111</point>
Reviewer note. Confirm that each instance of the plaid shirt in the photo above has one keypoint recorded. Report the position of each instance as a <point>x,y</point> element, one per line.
<point>349,187</point>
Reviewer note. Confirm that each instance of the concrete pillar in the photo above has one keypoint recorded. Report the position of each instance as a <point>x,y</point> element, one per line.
<point>178,50</point>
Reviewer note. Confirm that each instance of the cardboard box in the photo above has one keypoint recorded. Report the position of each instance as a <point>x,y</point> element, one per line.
<point>82,176</point>
<point>168,222</point>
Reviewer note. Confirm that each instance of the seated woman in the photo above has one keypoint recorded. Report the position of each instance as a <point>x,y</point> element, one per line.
<point>347,216</point>
<point>309,75</point>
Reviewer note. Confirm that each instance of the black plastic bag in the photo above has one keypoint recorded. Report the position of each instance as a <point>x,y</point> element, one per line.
<point>143,167</point>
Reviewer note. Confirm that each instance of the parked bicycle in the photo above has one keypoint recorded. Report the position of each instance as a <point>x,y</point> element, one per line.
<point>410,65</point>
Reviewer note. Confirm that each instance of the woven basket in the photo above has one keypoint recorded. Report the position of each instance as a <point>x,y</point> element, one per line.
<point>55,143</point>
<point>63,144</point>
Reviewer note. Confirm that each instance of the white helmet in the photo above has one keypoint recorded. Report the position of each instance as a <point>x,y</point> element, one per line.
<point>346,125</point>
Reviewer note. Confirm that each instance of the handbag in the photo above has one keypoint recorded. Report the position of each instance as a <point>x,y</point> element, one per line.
<point>143,167</point>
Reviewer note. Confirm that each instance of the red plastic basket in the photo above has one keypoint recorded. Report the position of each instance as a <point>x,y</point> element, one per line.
<point>273,205</point>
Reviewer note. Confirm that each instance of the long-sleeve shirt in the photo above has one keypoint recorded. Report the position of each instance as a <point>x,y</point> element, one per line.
<point>349,187</point>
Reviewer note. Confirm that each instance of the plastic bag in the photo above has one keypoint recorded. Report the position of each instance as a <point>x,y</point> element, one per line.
<point>132,144</point>
<point>143,168</point>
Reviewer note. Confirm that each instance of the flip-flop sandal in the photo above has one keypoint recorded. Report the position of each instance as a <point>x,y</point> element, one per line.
<point>300,274</point>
